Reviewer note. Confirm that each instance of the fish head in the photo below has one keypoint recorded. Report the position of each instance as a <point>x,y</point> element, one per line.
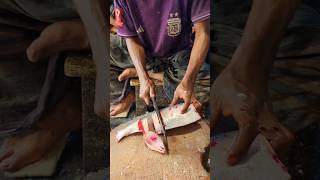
<point>154,142</point>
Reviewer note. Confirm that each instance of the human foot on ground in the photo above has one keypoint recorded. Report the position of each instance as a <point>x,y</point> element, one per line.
<point>123,105</point>
<point>244,100</point>
<point>132,73</point>
<point>20,151</point>
<point>57,37</point>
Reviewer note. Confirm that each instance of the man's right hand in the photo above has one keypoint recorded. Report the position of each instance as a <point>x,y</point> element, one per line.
<point>147,89</point>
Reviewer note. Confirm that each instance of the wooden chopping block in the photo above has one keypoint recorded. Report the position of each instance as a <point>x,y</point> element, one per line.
<point>130,159</point>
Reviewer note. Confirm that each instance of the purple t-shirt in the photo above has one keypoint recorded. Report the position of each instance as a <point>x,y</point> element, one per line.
<point>162,26</point>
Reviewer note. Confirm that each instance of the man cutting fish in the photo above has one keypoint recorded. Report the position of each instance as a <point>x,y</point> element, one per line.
<point>160,43</point>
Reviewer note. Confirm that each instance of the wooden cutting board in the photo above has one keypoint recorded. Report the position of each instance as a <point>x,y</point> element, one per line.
<point>130,159</point>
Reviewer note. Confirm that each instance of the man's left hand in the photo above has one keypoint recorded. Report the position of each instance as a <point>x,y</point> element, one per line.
<point>187,94</point>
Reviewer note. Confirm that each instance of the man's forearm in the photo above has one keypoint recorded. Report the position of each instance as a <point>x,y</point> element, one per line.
<point>199,52</point>
<point>265,27</point>
<point>137,55</point>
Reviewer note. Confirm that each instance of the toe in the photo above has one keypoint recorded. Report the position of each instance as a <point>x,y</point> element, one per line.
<point>5,153</point>
<point>116,110</point>
<point>8,164</point>
<point>112,107</point>
<point>35,51</point>
<point>124,75</point>
<point>112,113</point>
<point>31,54</point>
<point>127,73</point>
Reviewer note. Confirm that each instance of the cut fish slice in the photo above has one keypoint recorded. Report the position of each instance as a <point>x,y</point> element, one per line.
<point>151,139</point>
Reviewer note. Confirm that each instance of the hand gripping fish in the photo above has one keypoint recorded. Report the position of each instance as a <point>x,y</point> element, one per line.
<point>149,125</point>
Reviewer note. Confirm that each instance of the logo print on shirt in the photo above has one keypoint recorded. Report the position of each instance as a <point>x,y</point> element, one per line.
<point>174,25</point>
<point>119,17</point>
<point>140,29</point>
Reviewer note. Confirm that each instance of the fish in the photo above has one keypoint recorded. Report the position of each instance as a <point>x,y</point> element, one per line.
<point>151,139</point>
<point>149,125</point>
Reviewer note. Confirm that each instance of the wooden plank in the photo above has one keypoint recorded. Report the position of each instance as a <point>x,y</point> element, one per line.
<point>79,66</point>
<point>135,82</point>
<point>130,159</point>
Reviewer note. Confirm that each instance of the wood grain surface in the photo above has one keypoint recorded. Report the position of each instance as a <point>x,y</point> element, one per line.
<point>130,159</point>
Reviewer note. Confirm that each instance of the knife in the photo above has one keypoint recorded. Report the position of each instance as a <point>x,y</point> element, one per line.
<point>163,130</point>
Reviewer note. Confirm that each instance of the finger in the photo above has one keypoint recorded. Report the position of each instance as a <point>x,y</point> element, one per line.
<point>248,130</point>
<point>216,115</point>
<point>152,92</point>
<point>174,100</point>
<point>278,135</point>
<point>185,106</point>
<point>145,97</point>
<point>198,106</point>
<point>147,100</point>
<point>281,138</point>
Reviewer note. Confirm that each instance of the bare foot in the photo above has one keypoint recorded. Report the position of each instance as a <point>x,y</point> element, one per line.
<point>59,36</point>
<point>20,151</point>
<point>132,72</point>
<point>123,105</point>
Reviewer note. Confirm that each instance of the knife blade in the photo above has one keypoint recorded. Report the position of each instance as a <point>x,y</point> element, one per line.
<point>163,130</point>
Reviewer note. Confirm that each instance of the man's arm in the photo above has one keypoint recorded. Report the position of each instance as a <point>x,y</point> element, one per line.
<point>265,27</point>
<point>241,89</point>
<point>198,54</point>
<point>137,54</point>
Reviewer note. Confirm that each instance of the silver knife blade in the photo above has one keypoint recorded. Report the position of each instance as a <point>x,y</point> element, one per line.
<point>155,106</point>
